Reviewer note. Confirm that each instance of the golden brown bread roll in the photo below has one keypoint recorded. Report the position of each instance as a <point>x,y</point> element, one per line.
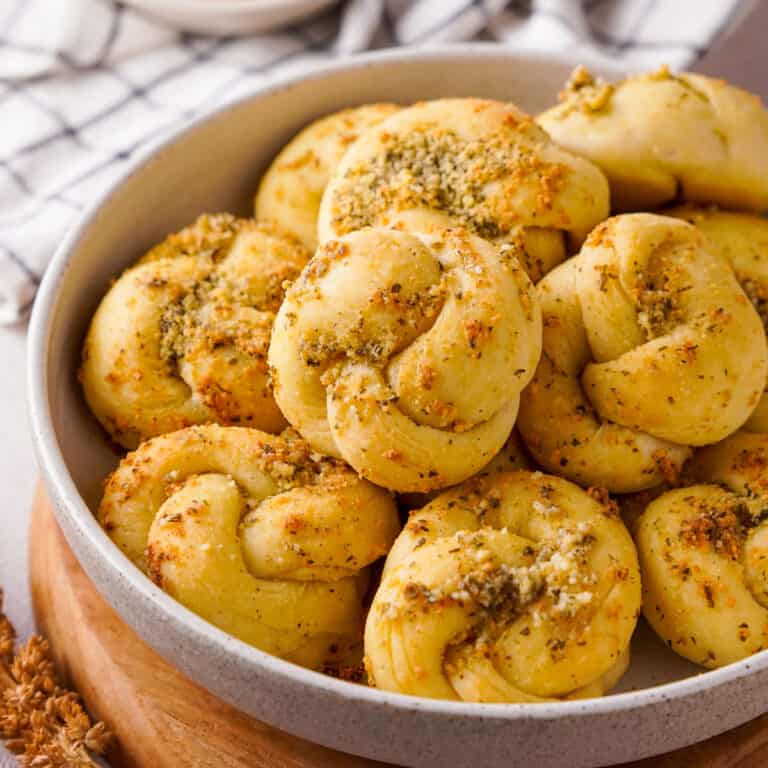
<point>650,346</point>
<point>255,533</point>
<point>405,354</point>
<point>513,587</point>
<point>742,239</point>
<point>290,191</point>
<point>662,137</point>
<point>181,337</point>
<point>704,555</point>
<point>483,165</point>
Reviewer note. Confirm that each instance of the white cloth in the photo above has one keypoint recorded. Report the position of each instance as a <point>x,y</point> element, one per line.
<point>83,83</point>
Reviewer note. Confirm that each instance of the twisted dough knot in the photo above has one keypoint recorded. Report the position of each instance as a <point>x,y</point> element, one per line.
<point>255,533</point>
<point>512,587</point>
<point>405,354</point>
<point>742,239</point>
<point>290,191</point>
<point>650,346</point>
<point>704,555</point>
<point>478,164</point>
<point>181,338</point>
<point>661,137</point>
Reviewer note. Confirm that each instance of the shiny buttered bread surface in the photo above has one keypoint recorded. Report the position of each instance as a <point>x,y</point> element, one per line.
<point>181,338</point>
<point>663,137</point>
<point>255,533</point>
<point>405,354</point>
<point>513,587</point>
<point>435,299</point>
<point>482,165</point>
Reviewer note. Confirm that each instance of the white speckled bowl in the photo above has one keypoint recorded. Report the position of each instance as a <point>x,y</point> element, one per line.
<point>215,164</point>
<point>229,17</point>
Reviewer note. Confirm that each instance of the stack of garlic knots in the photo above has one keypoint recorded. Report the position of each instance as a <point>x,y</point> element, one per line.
<point>434,305</point>
<point>255,533</point>
<point>517,586</point>
<point>405,354</point>
<point>181,338</point>
<point>668,369</point>
<point>481,165</point>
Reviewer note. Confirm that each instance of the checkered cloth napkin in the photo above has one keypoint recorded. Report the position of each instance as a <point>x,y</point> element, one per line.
<point>83,83</point>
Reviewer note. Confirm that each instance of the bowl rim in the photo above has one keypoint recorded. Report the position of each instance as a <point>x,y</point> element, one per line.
<point>54,469</point>
<point>257,7</point>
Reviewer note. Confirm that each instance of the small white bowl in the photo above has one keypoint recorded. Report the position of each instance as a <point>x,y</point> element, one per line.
<point>229,17</point>
<point>214,164</point>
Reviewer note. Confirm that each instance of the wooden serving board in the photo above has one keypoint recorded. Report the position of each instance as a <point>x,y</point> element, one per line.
<point>163,720</point>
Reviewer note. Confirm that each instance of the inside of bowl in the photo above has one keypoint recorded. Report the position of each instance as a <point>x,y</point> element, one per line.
<point>216,166</point>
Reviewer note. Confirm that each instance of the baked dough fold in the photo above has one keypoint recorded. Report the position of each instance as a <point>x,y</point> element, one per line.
<point>405,354</point>
<point>650,347</point>
<point>255,533</point>
<point>291,189</point>
<point>704,555</point>
<point>742,239</point>
<point>181,338</point>
<point>513,587</point>
<point>483,165</point>
<point>663,138</point>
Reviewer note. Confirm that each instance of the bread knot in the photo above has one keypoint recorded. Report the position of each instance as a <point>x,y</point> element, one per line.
<point>254,532</point>
<point>405,354</point>
<point>513,587</point>
<point>650,347</point>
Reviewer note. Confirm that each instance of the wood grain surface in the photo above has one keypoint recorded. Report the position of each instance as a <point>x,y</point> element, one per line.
<point>164,720</point>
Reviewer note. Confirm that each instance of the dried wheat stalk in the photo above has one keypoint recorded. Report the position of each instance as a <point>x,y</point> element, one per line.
<point>43,723</point>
